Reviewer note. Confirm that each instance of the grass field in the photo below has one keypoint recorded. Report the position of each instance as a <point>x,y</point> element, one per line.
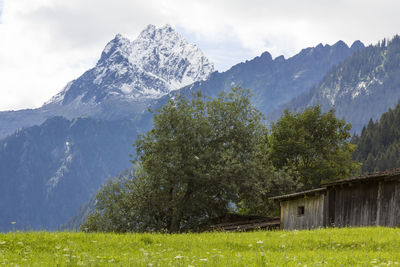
<point>329,247</point>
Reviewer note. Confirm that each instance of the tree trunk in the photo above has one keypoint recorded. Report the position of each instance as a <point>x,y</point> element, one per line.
<point>177,215</point>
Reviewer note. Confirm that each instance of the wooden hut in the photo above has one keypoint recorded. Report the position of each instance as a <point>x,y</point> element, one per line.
<point>367,200</point>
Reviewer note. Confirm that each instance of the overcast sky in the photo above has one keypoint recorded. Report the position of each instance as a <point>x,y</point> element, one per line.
<point>46,43</point>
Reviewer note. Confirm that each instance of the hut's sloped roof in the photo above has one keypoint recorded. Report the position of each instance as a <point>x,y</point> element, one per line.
<point>299,194</point>
<point>388,174</point>
<point>382,175</point>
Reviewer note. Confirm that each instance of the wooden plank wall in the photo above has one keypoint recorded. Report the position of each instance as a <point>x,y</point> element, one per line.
<point>390,204</point>
<point>313,213</point>
<point>366,204</point>
<point>355,205</point>
<point>358,204</point>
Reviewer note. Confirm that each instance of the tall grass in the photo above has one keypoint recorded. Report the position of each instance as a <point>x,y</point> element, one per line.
<point>329,247</point>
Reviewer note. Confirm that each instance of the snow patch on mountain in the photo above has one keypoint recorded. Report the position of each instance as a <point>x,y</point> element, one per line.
<point>64,167</point>
<point>331,94</point>
<point>60,96</point>
<point>361,88</point>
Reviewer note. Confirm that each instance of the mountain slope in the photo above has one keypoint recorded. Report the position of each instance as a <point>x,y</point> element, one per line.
<point>378,145</point>
<point>48,171</point>
<point>360,88</point>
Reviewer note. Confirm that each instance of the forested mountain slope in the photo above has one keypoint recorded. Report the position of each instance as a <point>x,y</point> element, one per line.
<point>378,145</point>
<point>362,87</point>
<point>48,171</point>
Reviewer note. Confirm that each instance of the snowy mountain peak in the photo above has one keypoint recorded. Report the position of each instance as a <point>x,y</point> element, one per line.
<point>159,61</point>
<point>147,31</point>
<point>119,43</point>
<point>164,33</point>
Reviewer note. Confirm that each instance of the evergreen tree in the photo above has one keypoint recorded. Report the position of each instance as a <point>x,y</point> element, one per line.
<point>379,143</point>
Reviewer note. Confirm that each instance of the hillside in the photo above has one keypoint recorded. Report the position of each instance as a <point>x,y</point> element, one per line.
<point>362,87</point>
<point>378,145</point>
<point>48,171</point>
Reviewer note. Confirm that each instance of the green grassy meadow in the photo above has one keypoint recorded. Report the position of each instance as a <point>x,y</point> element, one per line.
<point>324,247</point>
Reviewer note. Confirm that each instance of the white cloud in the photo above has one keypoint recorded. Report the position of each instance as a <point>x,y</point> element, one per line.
<point>46,43</point>
<point>1,9</point>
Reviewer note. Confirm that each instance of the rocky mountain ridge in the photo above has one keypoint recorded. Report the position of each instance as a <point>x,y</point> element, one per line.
<point>275,82</point>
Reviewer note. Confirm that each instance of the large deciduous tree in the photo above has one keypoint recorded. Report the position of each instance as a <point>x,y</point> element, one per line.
<point>313,143</point>
<point>201,160</point>
<point>199,156</point>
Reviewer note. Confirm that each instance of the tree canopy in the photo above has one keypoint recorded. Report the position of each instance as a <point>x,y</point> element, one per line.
<point>313,143</point>
<point>198,154</point>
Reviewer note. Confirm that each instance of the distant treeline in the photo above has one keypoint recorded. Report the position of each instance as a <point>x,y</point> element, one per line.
<point>378,145</point>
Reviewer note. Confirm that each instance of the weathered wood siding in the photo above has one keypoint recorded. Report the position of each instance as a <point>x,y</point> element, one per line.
<point>355,205</point>
<point>359,202</point>
<point>389,214</point>
<point>313,213</point>
<point>365,204</point>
